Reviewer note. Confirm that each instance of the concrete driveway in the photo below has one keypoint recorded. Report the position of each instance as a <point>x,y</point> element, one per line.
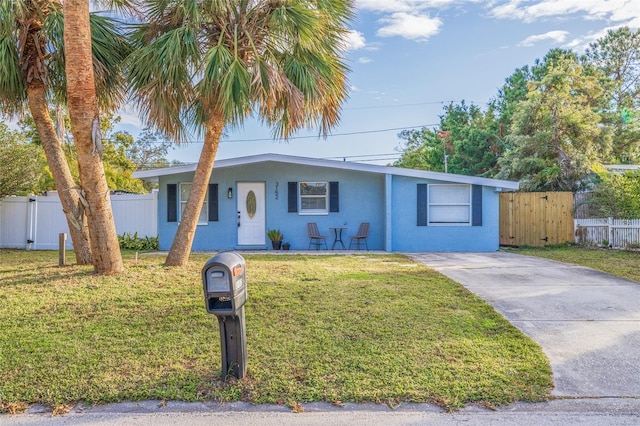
<point>587,322</point>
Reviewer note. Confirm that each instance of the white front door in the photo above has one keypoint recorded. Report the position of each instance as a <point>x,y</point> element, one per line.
<point>251,213</point>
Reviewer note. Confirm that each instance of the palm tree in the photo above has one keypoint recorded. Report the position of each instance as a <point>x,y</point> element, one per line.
<point>84,80</point>
<point>32,75</point>
<point>215,63</point>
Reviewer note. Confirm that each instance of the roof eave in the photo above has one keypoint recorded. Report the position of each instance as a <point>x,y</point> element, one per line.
<point>153,175</point>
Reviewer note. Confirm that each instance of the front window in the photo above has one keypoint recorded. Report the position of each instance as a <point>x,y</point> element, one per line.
<point>185,190</point>
<point>449,204</point>
<point>314,197</point>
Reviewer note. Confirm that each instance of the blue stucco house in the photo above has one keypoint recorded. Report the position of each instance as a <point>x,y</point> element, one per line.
<point>408,210</point>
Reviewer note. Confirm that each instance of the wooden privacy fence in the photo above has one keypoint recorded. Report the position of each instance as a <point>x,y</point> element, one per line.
<point>615,233</point>
<point>536,218</point>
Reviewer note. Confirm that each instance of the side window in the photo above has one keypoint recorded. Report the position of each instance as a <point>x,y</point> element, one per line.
<point>449,204</point>
<point>185,190</point>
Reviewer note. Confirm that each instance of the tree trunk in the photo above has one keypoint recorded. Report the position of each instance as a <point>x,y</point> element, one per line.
<point>83,111</point>
<point>181,246</point>
<point>67,191</point>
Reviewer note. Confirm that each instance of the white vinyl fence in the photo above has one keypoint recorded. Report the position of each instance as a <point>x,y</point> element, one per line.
<point>615,233</point>
<point>34,223</point>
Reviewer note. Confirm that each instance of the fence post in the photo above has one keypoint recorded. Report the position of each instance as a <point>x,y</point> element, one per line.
<point>610,227</point>
<point>62,253</point>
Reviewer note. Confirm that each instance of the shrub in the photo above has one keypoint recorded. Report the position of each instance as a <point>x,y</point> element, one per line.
<point>133,242</point>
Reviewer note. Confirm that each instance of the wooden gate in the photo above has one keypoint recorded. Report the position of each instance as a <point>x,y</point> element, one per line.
<point>536,218</point>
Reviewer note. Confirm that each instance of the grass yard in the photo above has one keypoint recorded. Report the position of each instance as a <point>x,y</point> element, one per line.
<point>319,328</point>
<point>622,263</point>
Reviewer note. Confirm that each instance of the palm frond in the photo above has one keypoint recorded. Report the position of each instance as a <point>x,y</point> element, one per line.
<point>11,11</point>
<point>12,89</point>
<point>123,7</point>
<point>110,48</point>
<point>280,59</point>
<point>161,81</point>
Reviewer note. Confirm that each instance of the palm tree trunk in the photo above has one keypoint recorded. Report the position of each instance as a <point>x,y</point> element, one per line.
<point>83,111</point>
<point>69,196</point>
<point>181,246</point>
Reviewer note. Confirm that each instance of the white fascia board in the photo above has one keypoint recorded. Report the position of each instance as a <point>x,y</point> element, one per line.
<point>334,164</point>
<point>450,177</point>
<point>155,173</point>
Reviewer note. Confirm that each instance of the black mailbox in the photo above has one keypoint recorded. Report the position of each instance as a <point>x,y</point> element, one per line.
<point>225,287</point>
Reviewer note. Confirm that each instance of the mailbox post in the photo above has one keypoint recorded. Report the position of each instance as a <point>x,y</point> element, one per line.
<point>225,293</point>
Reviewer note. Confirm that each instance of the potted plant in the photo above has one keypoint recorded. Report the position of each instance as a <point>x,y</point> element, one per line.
<point>286,246</point>
<point>276,238</point>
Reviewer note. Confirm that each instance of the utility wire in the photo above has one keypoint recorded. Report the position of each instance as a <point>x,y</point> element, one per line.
<point>400,105</point>
<point>361,132</point>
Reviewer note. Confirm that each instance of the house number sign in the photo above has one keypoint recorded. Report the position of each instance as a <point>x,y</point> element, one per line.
<point>251,204</point>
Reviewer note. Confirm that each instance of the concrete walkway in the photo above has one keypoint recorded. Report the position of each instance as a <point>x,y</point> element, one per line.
<point>587,322</point>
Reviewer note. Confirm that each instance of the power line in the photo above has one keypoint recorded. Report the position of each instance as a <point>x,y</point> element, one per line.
<point>400,105</point>
<point>361,132</point>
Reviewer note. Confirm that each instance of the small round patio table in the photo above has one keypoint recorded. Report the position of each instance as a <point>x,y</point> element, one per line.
<point>337,236</point>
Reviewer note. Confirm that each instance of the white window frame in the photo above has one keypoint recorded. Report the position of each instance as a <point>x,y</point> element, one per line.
<point>309,212</point>
<point>467,205</point>
<point>205,204</point>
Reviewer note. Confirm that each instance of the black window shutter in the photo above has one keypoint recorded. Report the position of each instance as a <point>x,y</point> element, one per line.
<point>422,205</point>
<point>172,202</point>
<point>476,205</point>
<point>213,202</point>
<point>293,197</point>
<point>334,197</point>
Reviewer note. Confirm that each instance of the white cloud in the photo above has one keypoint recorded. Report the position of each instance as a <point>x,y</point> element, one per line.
<point>410,19</point>
<point>411,26</point>
<point>556,36</point>
<point>415,19</point>
<point>393,6</point>
<point>354,40</point>
<point>611,10</point>
<point>364,60</point>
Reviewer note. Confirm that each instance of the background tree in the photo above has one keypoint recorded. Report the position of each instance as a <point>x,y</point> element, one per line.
<point>117,164</point>
<point>21,164</point>
<point>475,139</point>
<point>149,151</point>
<point>422,150</point>
<point>516,86</point>
<point>471,140</point>
<point>121,155</point>
<point>215,63</point>
<point>556,137</point>
<point>616,195</point>
<point>617,55</point>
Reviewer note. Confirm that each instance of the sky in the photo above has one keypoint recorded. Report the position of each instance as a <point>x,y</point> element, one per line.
<point>411,58</point>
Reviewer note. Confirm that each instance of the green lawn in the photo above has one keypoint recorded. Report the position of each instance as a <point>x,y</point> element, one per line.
<point>623,263</point>
<point>319,328</point>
